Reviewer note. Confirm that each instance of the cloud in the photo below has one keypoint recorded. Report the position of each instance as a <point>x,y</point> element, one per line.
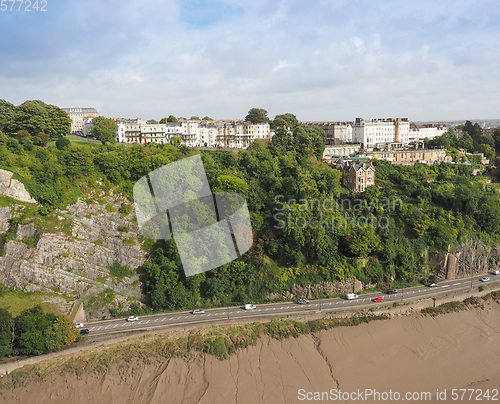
<point>319,60</point>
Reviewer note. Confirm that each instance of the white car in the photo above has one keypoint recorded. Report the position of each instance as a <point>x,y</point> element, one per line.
<point>496,272</point>
<point>79,325</point>
<point>250,307</point>
<point>133,318</point>
<point>485,279</point>
<point>198,311</point>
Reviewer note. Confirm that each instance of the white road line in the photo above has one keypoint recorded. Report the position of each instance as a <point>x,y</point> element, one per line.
<point>445,286</point>
<point>156,320</point>
<point>170,318</point>
<point>147,321</point>
<point>115,326</point>
<point>456,284</point>
<point>274,308</point>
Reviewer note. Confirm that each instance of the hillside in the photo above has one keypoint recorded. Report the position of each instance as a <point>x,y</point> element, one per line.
<point>312,236</point>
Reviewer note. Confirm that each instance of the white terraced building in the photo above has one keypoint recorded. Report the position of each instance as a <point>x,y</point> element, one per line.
<point>393,131</point>
<point>232,134</point>
<point>78,116</point>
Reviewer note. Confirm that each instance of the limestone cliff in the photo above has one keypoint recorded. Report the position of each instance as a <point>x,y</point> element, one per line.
<point>70,251</point>
<point>466,260</point>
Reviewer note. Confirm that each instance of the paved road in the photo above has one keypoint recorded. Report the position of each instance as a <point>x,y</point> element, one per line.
<point>364,301</point>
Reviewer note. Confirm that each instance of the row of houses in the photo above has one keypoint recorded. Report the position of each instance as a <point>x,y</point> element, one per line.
<point>237,134</point>
<point>377,132</point>
<point>369,134</point>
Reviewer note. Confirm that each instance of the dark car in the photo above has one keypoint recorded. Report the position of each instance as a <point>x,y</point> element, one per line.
<point>392,291</point>
<point>84,331</point>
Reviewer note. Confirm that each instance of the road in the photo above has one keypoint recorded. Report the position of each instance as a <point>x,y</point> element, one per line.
<point>218,314</point>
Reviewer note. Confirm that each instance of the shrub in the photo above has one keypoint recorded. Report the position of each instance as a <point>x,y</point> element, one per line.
<point>62,143</point>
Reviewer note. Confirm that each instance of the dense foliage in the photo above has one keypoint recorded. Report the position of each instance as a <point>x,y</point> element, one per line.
<point>472,140</point>
<point>34,332</point>
<point>34,117</point>
<point>307,227</point>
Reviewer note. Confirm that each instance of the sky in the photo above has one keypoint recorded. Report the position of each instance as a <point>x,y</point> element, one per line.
<point>322,60</point>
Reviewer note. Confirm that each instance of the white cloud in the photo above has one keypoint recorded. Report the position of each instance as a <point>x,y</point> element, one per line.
<point>328,60</point>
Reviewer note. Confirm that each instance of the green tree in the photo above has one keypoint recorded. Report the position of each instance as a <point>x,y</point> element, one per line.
<point>104,129</point>
<point>172,118</point>
<point>284,122</point>
<point>62,332</point>
<point>152,121</point>
<point>62,143</point>
<point>41,139</point>
<point>466,142</point>
<point>257,115</point>
<point>206,118</point>
<point>230,183</point>
<point>6,333</point>
<point>31,325</point>
<point>194,118</point>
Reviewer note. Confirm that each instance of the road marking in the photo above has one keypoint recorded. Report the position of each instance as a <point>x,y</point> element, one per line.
<point>115,326</point>
<point>274,308</point>
<point>445,286</point>
<point>456,284</point>
<point>156,320</point>
<point>147,321</point>
<point>170,318</point>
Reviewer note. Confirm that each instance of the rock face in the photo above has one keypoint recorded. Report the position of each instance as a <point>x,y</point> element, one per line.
<point>72,253</point>
<point>466,260</point>
<point>331,288</point>
<point>13,188</point>
<point>4,219</point>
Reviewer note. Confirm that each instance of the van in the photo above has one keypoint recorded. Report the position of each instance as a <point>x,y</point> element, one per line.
<point>250,306</point>
<point>496,272</point>
<point>351,296</point>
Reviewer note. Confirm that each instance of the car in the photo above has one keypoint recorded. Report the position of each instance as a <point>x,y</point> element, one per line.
<point>84,331</point>
<point>303,301</point>
<point>220,147</point>
<point>485,279</point>
<point>496,272</point>
<point>378,299</point>
<point>133,318</point>
<point>198,311</point>
<point>433,285</point>
<point>392,291</point>
<point>79,325</point>
<point>351,296</point>
<point>250,306</point>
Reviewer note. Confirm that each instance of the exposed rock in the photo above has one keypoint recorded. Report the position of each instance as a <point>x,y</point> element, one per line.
<point>74,258</point>
<point>26,231</point>
<point>466,260</point>
<point>330,288</point>
<point>13,188</point>
<point>4,219</point>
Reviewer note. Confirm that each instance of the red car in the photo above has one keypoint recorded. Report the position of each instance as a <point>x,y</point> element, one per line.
<point>378,299</point>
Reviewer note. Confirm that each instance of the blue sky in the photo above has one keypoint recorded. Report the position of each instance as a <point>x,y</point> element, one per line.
<point>318,59</point>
